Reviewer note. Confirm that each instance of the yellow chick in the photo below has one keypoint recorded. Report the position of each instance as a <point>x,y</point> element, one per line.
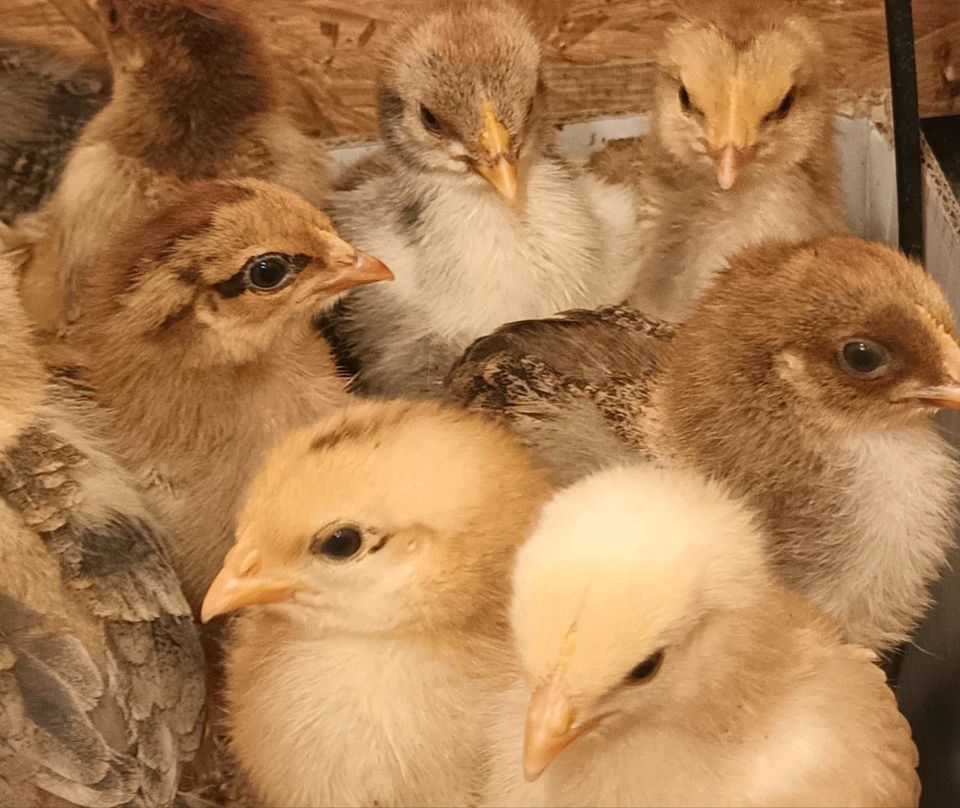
<point>741,148</point>
<point>198,337</point>
<point>194,97</point>
<point>373,553</point>
<point>663,666</point>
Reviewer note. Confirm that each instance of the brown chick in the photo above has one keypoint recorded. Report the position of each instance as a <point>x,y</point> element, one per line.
<point>373,561</point>
<point>198,338</point>
<point>194,97</point>
<point>101,672</point>
<point>741,148</point>
<point>806,378</point>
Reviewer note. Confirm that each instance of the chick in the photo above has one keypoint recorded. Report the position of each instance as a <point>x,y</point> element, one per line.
<point>198,338</point>
<point>101,673</point>
<point>194,97</point>
<point>374,550</point>
<point>741,149</point>
<point>469,203</point>
<point>663,665</point>
<point>806,378</point>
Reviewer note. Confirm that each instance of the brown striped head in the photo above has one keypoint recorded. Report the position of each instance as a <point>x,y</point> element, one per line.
<point>189,78</point>
<point>223,270</point>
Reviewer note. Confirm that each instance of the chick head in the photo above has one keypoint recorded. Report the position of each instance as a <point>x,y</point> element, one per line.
<point>387,516</point>
<point>850,333</point>
<point>741,91</point>
<point>223,270</point>
<point>160,38</point>
<point>621,571</point>
<point>460,94</point>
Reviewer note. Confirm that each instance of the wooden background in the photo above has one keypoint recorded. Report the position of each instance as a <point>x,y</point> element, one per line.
<point>598,51</point>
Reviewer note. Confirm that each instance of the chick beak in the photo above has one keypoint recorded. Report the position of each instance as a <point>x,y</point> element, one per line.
<point>550,727</point>
<point>354,268</point>
<point>241,583</point>
<point>947,394</point>
<point>497,165</point>
<point>729,161</point>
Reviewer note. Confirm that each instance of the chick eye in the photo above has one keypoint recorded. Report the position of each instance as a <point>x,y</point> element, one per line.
<point>268,273</point>
<point>113,18</point>
<point>646,669</point>
<point>344,542</point>
<point>786,105</point>
<point>685,99</point>
<point>430,122</point>
<point>864,359</point>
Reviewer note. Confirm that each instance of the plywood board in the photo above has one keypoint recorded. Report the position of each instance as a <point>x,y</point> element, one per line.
<point>598,52</point>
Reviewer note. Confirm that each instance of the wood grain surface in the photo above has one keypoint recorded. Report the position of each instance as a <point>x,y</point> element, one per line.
<point>599,52</point>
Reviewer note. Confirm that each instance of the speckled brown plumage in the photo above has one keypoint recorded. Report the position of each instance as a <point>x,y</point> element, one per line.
<point>855,484</point>
<point>101,673</point>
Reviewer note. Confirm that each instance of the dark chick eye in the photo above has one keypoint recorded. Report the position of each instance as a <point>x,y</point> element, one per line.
<point>344,542</point>
<point>864,359</point>
<point>685,99</point>
<point>429,120</point>
<point>268,273</point>
<point>646,669</point>
<point>786,105</point>
<point>113,18</point>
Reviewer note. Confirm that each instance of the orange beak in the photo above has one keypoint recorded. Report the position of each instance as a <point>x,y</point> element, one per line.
<point>241,583</point>
<point>498,166</point>
<point>729,161</point>
<point>942,397</point>
<point>550,727</point>
<point>363,270</point>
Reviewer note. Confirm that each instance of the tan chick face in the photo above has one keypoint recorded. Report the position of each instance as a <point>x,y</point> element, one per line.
<point>235,263</point>
<point>460,94</point>
<point>620,571</point>
<point>387,515</point>
<point>732,109</point>
<point>860,336</point>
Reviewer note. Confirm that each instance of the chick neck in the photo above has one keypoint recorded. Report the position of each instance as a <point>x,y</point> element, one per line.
<point>167,395</point>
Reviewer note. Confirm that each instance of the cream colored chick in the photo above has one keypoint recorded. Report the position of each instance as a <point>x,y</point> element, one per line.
<point>663,666</point>
<point>741,149</point>
<point>198,337</point>
<point>194,98</point>
<point>374,554</point>
<point>469,202</point>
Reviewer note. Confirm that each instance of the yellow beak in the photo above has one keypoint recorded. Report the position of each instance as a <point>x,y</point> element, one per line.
<point>240,583</point>
<point>497,166</point>
<point>550,727</point>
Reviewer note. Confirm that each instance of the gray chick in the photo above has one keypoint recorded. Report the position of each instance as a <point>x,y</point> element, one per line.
<point>480,219</point>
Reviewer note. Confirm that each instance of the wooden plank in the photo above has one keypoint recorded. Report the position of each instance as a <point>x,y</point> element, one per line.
<point>598,52</point>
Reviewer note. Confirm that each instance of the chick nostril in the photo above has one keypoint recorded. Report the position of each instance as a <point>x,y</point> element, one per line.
<point>250,563</point>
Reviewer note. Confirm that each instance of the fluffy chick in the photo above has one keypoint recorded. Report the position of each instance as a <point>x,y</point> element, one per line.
<point>664,666</point>
<point>101,673</point>
<point>468,202</point>
<point>741,149</point>
<point>194,98</point>
<point>197,335</point>
<point>806,378</point>
<point>374,550</point>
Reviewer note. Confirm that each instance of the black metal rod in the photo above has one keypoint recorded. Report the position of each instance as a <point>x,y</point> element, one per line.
<point>906,126</point>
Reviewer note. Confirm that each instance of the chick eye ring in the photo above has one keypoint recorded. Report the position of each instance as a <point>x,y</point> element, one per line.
<point>864,359</point>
